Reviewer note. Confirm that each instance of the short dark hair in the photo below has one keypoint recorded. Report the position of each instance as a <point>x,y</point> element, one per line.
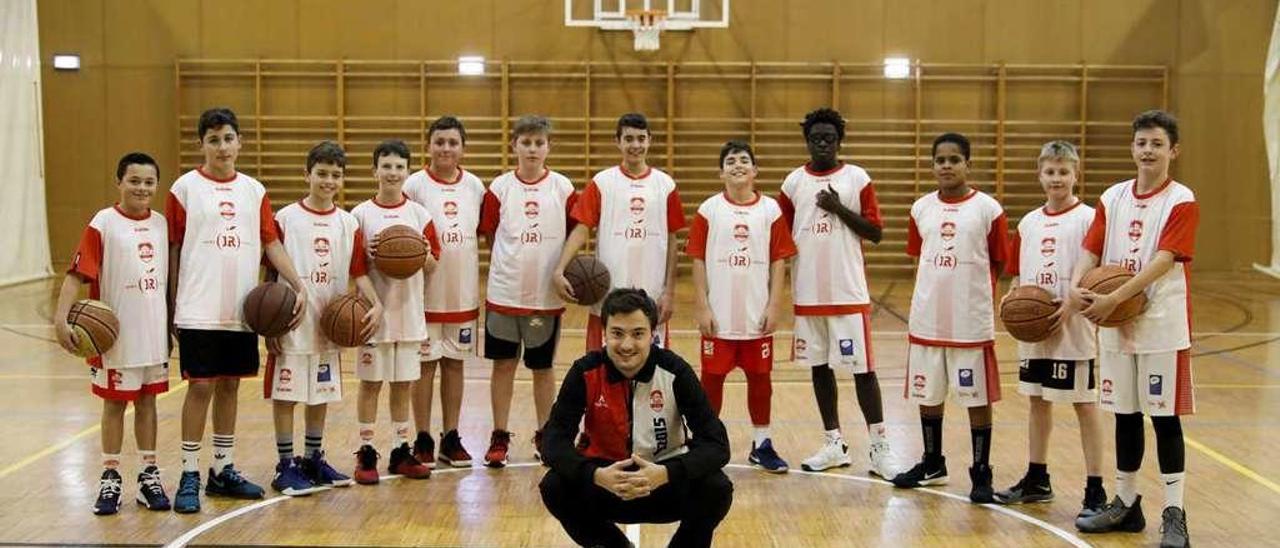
<point>824,115</point>
<point>139,158</point>
<point>447,122</point>
<point>631,120</point>
<point>531,123</point>
<point>954,138</point>
<point>626,300</point>
<point>326,152</point>
<point>1156,118</point>
<point>390,147</point>
<point>214,118</point>
<point>736,146</point>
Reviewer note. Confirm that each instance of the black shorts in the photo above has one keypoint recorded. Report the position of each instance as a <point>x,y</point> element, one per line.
<point>505,336</point>
<point>213,354</point>
<point>1058,374</point>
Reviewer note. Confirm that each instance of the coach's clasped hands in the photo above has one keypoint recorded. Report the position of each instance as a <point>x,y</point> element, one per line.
<point>641,482</point>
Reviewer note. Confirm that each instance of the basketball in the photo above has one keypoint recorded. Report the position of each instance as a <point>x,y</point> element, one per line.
<point>589,279</point>
<point>1026,313</point>
<point>342,320</point>
<point>401,251</point>
<point>1105,279</point>
<point>268,309</point>
<point>95,325</point>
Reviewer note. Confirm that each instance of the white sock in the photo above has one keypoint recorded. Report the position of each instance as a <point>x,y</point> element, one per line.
<point>1127,487</point>
<point>148,458</point>
<point>110,461</point>
<point>1174,484</point>
<point>402,432</point>
<point>833,435</point>
<point>366,433</point>
<point>876,432</point>
<point>190,456</point>
<point>761,434</point>
<point>224,446</point>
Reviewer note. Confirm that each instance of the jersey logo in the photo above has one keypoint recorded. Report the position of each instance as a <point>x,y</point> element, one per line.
<point>146,252</point>
<point>464,335</point>
<point>227,210</point>
<point>846,347</point>
<point>656,401</point>
<point>601,403</point>
<point>1135,230</point>
<point>321,247</point>
<point>1048,246</point>
<point>741,233</point>
<point>1155,384</point>
<point>966,377</point>
<point>452,237</point>
<point>532,209</point>
<point>947,231</point>
<point>451,209</point>
<point>637,206</point>
<point>821,225</point>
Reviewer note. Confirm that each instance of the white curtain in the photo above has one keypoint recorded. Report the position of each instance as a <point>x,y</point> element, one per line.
<point>1271,127</point>
<point>24,231</point>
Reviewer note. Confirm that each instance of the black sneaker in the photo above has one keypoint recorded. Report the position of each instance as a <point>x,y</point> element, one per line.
<point>150,491</point>
<point>403,462</point>
<point>108,493</point>
<point>229,483</point>
<point>1173,528</point>
<point>452,452</point>
<point>922,474</point>
<point>424,449</point>
<point>1094,500</point>
<point>982,492</point>
<point>1115,517</point>
<point>1027,490</point>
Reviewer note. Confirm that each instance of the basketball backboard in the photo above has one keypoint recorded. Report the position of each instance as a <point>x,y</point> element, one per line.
<point>678,14</point>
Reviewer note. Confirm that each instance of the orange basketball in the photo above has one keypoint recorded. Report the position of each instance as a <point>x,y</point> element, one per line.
<point>1026,313</point>
<point>589,279</point>
<point>401,251</point>
<point>342,320</point>
<point>95,326</point>
<point>268,309</point>
<point>1107,278</point>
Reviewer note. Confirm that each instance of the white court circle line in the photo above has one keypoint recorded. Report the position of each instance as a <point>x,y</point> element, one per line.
<point>1059,532</point>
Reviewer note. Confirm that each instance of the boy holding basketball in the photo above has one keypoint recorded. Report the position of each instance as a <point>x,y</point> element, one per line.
<point>1146,225</point>
<point>123,258</point>
<point>391,355</point>
<point>957,235</point>
<point>739,243</point>
<point>525,216</point>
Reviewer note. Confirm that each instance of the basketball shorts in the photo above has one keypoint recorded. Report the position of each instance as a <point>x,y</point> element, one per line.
<point>506,336</point>
<point>1058,381</point>
<point>721,356</point>
<point>389,361</point>
<point>127,383</point>
<point>207,354</point>
<point>1157,384</point>
<point>455,341</point>
<point>312,379</point>
<point>843,341</point>
<point>969,374</point>
<point>595,334</point>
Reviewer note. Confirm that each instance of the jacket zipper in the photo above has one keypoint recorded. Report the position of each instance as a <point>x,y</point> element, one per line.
<point>631,420</point>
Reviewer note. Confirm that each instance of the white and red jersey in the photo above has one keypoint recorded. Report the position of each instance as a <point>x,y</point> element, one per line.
<point>1128,230</point>
<point>738,243</point>
<point>327,250</point>
<point>126,262</point>
<point>1044,252</point>
<point>634,217</point>
<point>453,290</point>
<point>959,243</point>
<point>223,226</point>
<point>403,300</point>
<point>828,275</point>
<point>527,221</point>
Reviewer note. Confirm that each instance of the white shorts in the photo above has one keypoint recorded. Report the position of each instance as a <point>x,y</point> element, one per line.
<point>970,374</point>
<point>456,341</point>
<point>1058,381</point>
<point>843,341</point>
<point>391,362</point>
<point>312,379</point>
<point>1157,384</point>
<point>127,383</point>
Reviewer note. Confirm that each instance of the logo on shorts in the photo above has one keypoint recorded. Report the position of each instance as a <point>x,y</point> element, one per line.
<point>1106,388</point>
<point>425,347</point>
<point>800,347</point>
<point>966,377</point>
<point>366,359</point>
<point>323,373</point>
<point>846,347</point>
<point>115,377</point>
<point>1155,384</point>
<point>286,376</point>
<point>708,348</point>
<point>656,401</point>
<point>918,382</point>
<point>464,335</point>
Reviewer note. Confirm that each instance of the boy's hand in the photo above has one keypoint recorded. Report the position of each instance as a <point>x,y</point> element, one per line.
<point>274,346</point>
<point>371,320</point>
<point>1101,307</point>
<point>372,244</point>
<point>1064,312</point>
<point>563,287</point>
<point>770,322</point>
<point>299,307</point>
<point>66,337</point>
<point>707,322</point>
<point>664,306</point>
<point>1079,298</point>
<point>829,199</point>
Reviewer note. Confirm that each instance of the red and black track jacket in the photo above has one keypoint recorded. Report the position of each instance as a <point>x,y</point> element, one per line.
<point>661,414</point>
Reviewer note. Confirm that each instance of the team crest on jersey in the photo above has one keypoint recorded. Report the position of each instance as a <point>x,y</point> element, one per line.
<point>324,373</point>
<point>1155,384</point>
<point>708,348</point>
<point>146,252</point>
<point>846,347</point>
<point>656,401</point>
<point>944,261</point>
<point>1135,230</point>
<point>451,209</point>
<point>947,231</point>
<point>532,209</point>
<point>321,247</point>
<point>821,225</point>
<point>637,206</point>
<point>966,377</point>
<point>741,233</point>
<point>464,335</point>
<point>1048,246</point>
<point>227,210</point>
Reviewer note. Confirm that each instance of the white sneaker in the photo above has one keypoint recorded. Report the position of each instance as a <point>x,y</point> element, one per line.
<point>881,458</point>
<point>833,454</point>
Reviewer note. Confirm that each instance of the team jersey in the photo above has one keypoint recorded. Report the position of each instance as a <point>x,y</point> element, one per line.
<point>738,243</point>
<point>1128,230</point>
<point>327,250</point>
<point>453,290</point>
<point>828,276</point>
<point>527,221</point>
<point>403,301</point>
<point>126,262</point>
<point>958,243</point>
<point>223,226</point>
<point>1044,252</point>
<point>634,216</point>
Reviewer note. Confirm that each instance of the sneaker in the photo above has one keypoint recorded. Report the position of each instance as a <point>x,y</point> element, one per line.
<point>402,462</point>
<point>290,479</point>
<point>922,474</point>
<point>765,458</point>
<point>833,454</point>
<point>881,460</point>
<point>320,473</point>
<point>1094,501</point>
<point>499,445</point>
<point>108,493</point>
<point>452,452</point>
<point>366,465</point>
<point>229,483</point>
<point>1173,528</point>
<point>982,491</point>
<point>424,449</point>
<point>186,499</point>
<point>1115,517</point>
<point>150,491</point>
<point>1027,490</point>
<point>537,447</point>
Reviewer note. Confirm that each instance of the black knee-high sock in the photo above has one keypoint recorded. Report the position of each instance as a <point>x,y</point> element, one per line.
<point>1129,442</point>
<point>868,389</point>
<point>828,396</point>
<point>981,438</point>
<point>932,431</point>
<point>1169,444</point>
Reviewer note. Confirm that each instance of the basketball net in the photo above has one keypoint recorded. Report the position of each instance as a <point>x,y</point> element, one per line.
<point>647,26</point>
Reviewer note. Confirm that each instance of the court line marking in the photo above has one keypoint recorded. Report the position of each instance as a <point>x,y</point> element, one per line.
<point>1232,464</point>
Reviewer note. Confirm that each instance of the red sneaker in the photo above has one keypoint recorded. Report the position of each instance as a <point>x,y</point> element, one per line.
<point>403,462</point>
<point>366,465</point>
<point>499,445</point>
<point>424,449</point>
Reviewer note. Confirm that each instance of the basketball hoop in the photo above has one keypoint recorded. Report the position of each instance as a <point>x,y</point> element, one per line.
<point>647,26</point>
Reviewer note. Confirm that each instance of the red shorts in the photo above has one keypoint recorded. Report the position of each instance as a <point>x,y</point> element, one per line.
<point>720,356</point>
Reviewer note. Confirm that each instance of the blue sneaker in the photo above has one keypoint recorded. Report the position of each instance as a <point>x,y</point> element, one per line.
<point>108,501</point>
<point>321,474</point>
<point>765,458</point>
<point>229,483</point>
<point>291,480</point>
<point>187,499</point>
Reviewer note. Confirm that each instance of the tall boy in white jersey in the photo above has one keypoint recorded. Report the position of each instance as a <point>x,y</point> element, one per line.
<point>1146,225</point>
<point>303,366</point>
<point>1059,369</point>
<point>453,197</point>
<point>636,212</point>
<point>958,236</point>
<point>124,259</point>
<point>831,209</point>
<point>525,216</point>
<point>219,229</point>
<point>392,354</point>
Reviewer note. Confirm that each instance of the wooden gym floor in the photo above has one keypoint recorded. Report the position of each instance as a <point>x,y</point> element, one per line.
<point>49,453</point>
